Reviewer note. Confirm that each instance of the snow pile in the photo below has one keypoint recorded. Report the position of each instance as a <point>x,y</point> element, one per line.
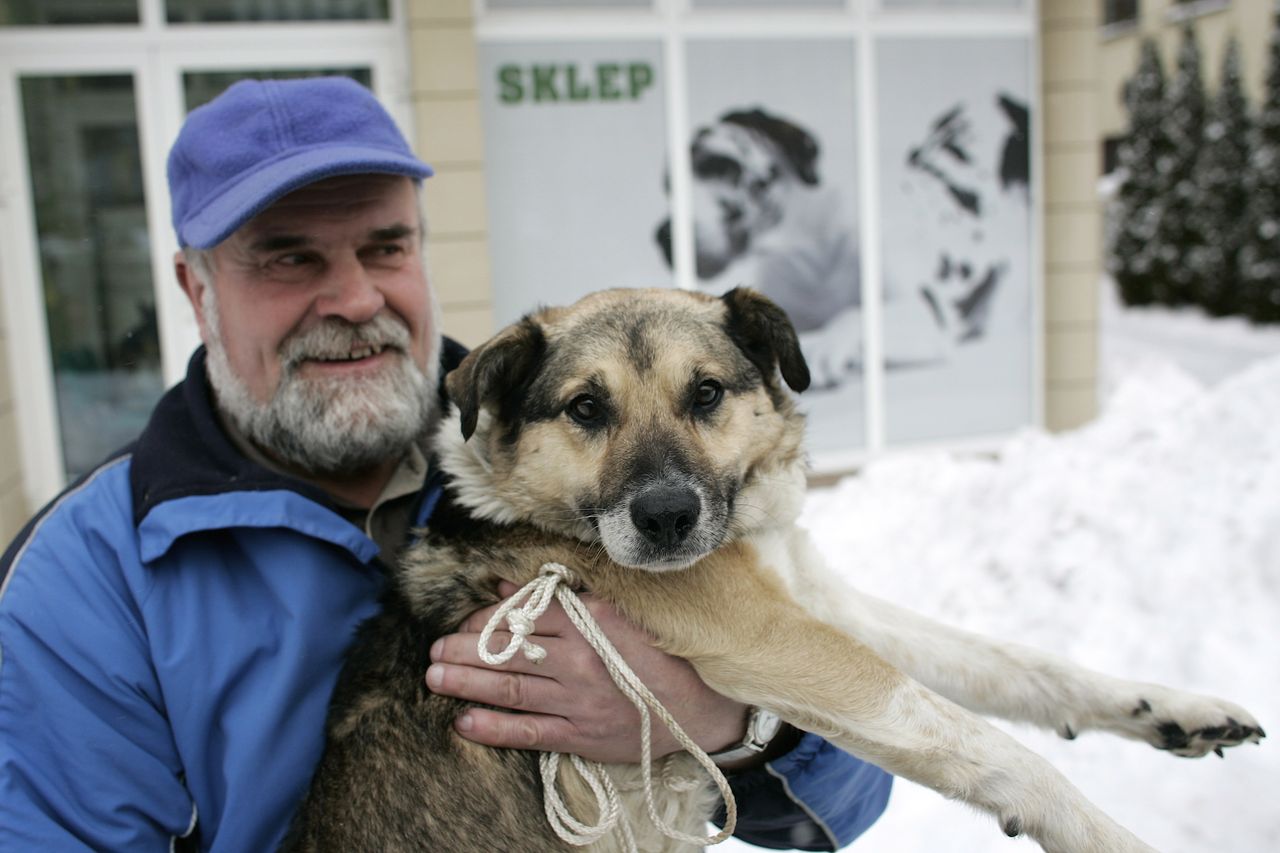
<point>1145,545</point>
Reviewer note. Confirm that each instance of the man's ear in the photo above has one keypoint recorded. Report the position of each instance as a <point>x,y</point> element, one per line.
<point>763,331</point>
<point>193,287</point>
<point>497,373</point>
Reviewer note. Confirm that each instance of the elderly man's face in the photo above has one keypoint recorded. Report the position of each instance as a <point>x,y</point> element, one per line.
<point>321,328</point>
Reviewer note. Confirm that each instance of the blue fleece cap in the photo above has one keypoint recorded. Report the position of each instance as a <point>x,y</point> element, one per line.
<point>261,139</point>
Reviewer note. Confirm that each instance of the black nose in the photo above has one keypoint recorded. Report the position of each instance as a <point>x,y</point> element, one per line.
<point>665,515</point>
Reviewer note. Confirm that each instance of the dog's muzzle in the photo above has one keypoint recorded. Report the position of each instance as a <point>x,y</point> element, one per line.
<point>663,526</point>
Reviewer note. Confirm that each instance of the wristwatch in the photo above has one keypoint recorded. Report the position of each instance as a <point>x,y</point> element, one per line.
<point>762,728</point>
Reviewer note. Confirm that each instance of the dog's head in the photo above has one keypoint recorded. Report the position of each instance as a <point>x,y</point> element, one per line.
<point>969,177</point>
<point>654,422</point>
<point>738,164</point>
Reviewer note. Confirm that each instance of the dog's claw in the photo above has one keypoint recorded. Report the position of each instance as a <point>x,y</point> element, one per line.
<point>1012,827</point>
<point>1217,750</point>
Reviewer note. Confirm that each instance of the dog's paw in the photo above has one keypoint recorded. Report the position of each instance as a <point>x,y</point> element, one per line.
<point>1185,724</point>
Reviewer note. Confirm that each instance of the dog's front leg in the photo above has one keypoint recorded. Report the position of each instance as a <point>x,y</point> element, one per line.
<point>1016,682</point>
<point>825,682</point>
<point>748,640</point>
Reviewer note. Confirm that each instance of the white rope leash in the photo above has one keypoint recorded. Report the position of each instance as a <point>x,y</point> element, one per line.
<point>556,581</point>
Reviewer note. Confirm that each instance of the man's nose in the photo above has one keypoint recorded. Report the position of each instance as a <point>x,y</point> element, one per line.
<point>351,292</point>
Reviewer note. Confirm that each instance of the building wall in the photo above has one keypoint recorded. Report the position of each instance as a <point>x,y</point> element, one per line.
<point>446,103</point>
<point>13,504</point>
<point>1215,21</point>
<point>446,96</point>
<point>1072,212</point>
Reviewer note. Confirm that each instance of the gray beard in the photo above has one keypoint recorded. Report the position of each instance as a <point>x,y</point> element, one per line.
<point>337,427</point>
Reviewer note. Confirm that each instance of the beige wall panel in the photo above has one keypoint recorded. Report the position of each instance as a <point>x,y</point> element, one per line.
<point>1071,115</point>
<point>1070,405</point>
<point>469,326</point>
<point>1071,354</point>
<point>449,131</point>
<point>1071,299</point>
<point>1055,13</point>
<point>13,513</point>
<point>1071,173</point>
<point>1073,238</point>
<point>455,202</point>
<point>6,378</point>
<point>439,10</point>
<point>460,270</point>
<point>444,60</point>
<point>10,467</point>
<point>1069,56</point>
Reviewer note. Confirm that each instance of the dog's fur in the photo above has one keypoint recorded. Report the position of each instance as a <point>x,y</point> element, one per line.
<point>723,578</point>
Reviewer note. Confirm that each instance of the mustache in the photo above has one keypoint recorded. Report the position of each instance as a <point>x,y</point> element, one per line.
<point>335,338</point>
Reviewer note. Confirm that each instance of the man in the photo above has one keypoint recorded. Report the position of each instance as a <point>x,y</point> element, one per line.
<point>171,626</point>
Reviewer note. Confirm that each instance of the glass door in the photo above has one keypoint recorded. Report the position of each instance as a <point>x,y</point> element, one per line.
<point>99,298</point>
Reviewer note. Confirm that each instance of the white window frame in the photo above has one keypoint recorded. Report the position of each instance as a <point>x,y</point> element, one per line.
<point>677,22</point>
<point>155,54</point>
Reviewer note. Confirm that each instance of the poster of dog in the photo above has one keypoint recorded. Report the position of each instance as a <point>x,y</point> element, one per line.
<point>955,225</point>
<point>774,161</point>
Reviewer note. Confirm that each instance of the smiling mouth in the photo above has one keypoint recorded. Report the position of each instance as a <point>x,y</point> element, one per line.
<point>353,355</point>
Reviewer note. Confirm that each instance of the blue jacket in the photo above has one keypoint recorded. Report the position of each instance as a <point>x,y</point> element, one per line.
<point>171,628</point>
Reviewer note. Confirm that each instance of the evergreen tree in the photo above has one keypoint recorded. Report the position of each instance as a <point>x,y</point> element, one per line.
<point>1260,258</point>
<point>1131,246</point>
<point>1222,185</point>
<point>1182,228</point>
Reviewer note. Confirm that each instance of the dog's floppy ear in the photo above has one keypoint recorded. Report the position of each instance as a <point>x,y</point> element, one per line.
<point>497,372</point>
<point>796,144</point>
<point>763,331</point>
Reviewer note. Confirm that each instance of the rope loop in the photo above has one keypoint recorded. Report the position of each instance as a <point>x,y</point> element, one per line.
<point>556,581</point>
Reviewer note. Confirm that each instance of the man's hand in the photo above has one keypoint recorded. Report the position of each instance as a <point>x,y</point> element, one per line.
<point>569,702</point>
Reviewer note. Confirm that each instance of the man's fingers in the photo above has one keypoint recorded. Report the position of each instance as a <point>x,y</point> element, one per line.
<point>563,657</point>
<point>494,687</point>
<point>515,731</point>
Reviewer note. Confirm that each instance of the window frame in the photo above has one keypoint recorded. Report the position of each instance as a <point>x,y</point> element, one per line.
<point>676,23</point>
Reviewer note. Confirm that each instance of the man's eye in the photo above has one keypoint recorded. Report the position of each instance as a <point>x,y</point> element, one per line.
<point>586,410</point>
<point>293,260</point>
<point>708,395</point>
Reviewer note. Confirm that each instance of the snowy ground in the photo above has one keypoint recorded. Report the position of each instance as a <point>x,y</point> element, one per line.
<point>1145,544</point>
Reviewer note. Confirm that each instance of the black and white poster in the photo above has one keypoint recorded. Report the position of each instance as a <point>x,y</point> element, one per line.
<point>578,158</point>
<point>775,202</point>
<point>952,138</point>
<point>575,146</point>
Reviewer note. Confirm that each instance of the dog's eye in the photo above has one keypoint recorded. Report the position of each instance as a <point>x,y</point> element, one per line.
<point>585,409</point>
<point>708,395</point>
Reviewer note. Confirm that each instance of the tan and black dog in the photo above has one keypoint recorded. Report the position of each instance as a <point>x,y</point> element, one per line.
<point>645,440</point>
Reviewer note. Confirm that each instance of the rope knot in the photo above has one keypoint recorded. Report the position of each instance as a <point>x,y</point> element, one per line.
<point>564,573</point>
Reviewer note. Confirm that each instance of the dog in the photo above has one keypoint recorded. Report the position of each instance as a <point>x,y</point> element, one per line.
<point>649,440</point>
<point>761,212</point>
<point>970,177</point>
